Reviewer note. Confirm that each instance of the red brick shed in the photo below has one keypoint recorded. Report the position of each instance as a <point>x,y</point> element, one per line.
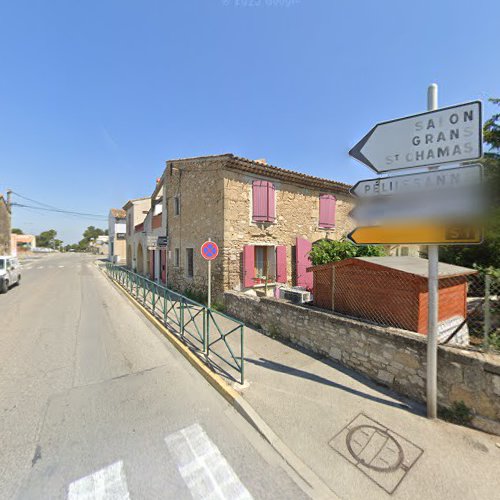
<point>389,290</point>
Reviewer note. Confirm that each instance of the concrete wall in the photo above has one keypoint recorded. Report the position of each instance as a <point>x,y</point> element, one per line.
<point>297,215</point>
<point>392,357</point>
<point>4,228</point>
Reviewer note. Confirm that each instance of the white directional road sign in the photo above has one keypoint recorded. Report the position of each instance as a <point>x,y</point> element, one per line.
<point>468,176</point>
<point>447,135</point>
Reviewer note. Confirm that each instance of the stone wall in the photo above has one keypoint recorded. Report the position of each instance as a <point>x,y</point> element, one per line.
<point>297,215</point>
<point>4,228</point>
<point>199,185</point>
<point>395,358</point>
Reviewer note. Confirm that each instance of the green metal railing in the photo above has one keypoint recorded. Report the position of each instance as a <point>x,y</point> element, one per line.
<point>213,334</point>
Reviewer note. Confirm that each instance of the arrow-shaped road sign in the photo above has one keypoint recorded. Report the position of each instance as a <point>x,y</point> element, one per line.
<point>425,234</point>
<point>447,135</point>
<point>470,175</point>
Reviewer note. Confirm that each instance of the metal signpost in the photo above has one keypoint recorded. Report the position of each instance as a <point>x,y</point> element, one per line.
<point>209,251</point>
<point>431,139</point>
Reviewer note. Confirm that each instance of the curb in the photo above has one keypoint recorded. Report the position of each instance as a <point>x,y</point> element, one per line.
<point>308,481</point>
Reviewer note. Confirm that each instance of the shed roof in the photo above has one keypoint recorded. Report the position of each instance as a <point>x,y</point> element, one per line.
<point>416,266</point>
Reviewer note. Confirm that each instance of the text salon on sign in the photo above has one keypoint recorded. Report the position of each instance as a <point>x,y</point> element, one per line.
<point>432,138</point>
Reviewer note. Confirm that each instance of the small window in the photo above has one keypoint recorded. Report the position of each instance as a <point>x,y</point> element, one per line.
<point>177,205</point>
<point>177,257</point>
<point>261,262</point>
<point>189,262</point>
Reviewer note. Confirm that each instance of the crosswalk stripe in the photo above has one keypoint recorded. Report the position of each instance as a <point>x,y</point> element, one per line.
<point>109,483</point>
<point>205,471</point>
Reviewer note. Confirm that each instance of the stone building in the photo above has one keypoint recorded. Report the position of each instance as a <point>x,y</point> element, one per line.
<point>117,228</point>
<point>263,218</point>
<point>135,236</point>
<point>4,226</point>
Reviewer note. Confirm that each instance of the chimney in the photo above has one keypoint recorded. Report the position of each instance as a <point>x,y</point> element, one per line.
<point>261,160</point>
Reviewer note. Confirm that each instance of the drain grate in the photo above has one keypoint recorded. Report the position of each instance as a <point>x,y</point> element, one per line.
<point>379,453</point>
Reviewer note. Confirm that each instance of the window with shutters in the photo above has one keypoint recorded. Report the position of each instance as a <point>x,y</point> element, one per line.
<point>327,206</point>
<point>262,263</point>
<point>263,201</point>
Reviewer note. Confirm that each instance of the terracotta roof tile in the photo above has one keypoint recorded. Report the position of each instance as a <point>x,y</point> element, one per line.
<point>118,213</point>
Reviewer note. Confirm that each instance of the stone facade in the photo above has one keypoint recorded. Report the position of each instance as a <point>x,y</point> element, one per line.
<point>392,357</point>
<point>211,197</point>
<point>136,252</point>
<point>194,202</point>
<point>297,215</point>
<point>4,227</point>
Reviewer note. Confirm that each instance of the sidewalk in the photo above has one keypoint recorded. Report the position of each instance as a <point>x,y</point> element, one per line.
<point>307,401</point>
<point>360,439</point>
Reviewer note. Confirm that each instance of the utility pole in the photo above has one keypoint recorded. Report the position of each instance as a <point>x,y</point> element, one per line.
<point>433,287</point>
<point>9,200</point>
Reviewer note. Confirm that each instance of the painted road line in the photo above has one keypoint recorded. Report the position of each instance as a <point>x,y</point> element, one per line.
<point>109,483</point>
<point>205,471</point>
<point>40,267</point>
<point>60,267</point>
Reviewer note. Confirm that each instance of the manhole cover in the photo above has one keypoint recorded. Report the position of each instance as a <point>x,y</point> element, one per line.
<point>374,448</point>
<point>377,451</point>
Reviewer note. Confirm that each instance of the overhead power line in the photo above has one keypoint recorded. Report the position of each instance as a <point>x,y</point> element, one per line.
<point>95,216</point>
<point>51,208</point>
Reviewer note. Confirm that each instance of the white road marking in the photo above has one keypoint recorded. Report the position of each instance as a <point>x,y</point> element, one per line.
<point>109,483</point>
<point>29,267</point>
<point>40,267</point>
<point>205,471</point>
<point>60,267</point>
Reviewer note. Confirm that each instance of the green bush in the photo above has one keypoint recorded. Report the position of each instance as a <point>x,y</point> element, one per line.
<point>326,251</point>
<point>459,413</point>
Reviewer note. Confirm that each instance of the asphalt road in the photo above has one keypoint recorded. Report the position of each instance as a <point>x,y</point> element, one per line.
<point>95,403</point>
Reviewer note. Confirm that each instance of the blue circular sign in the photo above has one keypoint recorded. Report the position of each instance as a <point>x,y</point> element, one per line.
<point>209,250</point>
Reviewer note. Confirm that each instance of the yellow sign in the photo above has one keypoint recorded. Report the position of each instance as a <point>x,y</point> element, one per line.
<point>418,234</point>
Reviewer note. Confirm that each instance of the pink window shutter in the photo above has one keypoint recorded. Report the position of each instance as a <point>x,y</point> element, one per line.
<point>302,262</point>
<point>259,201</point>
<point>281,274</point>
<point>271,202</point>
<point>327,204</point>
<point>248,266</point>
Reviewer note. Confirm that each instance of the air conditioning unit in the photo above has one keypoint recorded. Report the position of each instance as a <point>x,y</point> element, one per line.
<point>297,295</point>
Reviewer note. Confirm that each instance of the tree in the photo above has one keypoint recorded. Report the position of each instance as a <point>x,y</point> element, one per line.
<point>486,255</point>
<point>325,251</point>
<point>16,230</point>
<point>90,234</point>
<point>46,238</point>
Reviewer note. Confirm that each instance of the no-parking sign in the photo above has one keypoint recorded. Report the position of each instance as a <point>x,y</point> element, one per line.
<point>209,250</point>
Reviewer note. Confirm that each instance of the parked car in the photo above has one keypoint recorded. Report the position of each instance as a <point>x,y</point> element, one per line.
<point>10,272</point>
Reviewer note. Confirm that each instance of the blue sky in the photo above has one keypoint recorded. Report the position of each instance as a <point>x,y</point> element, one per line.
<point>95,95</point>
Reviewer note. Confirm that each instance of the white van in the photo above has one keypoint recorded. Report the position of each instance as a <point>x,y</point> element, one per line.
<point>10,272</point>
